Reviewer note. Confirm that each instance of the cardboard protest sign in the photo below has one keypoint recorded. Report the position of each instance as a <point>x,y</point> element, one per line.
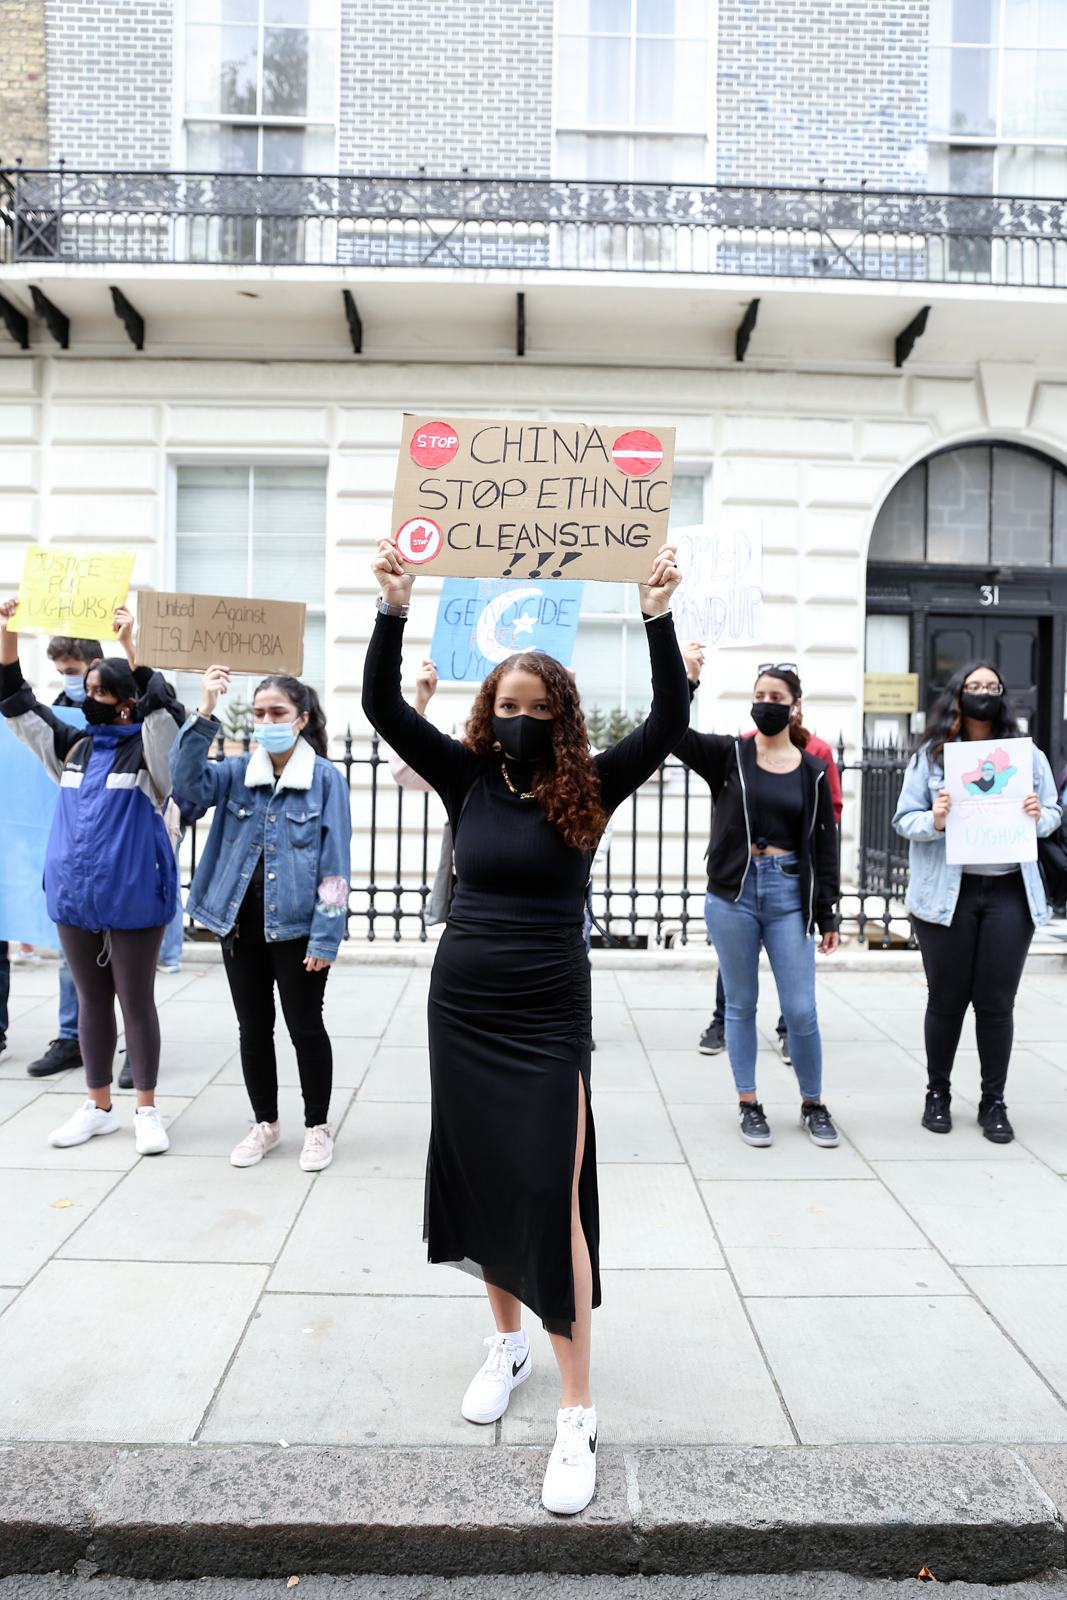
<point>535,500</point>
<point>482,621</point>
<point>988,780</point>
<point>720,598</point>
<point>188,632</point>
<point>71,592</point>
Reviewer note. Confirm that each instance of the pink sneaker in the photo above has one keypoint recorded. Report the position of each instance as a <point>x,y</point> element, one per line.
<point>260,1138</point>
<point>318,1148</point>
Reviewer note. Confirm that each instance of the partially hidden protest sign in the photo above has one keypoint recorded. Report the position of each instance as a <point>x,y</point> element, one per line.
<point>988,780</point>
<point>720,598</point>
<point>537,500</point>
<point>28,799</point>
<point>188,632</point>
<point>482,621</point>
<point>71,592</point>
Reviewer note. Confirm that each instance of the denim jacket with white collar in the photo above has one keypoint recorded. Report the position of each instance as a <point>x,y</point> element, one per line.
<point>934,885</point>
<point>302,828</point>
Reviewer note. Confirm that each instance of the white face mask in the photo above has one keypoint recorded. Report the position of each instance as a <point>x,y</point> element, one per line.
<point>73,686</point>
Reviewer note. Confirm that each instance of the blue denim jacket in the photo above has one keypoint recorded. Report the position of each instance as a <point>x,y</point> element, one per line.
<point>303,829</point>
<point>933,885</point>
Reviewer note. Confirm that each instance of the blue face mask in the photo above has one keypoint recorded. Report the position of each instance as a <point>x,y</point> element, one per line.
<point>73,686</point>
<point>275,737</point>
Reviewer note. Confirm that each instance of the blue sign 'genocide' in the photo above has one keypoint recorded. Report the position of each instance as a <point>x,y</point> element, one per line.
<point>482,621</point>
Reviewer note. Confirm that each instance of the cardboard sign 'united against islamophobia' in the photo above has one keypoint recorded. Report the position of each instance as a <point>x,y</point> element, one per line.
<point>491,499</point>
<point>189,632</point>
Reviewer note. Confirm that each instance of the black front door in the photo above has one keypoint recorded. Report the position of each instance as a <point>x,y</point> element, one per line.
<point>1019,647</point>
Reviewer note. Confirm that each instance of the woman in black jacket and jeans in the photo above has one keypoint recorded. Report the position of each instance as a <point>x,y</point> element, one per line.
<point>772,876</point>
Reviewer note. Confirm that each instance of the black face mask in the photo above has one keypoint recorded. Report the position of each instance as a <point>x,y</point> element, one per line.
<point>982,707</point>
<point>524,738</point>
<point>98,714</point>
<point>770,716</point>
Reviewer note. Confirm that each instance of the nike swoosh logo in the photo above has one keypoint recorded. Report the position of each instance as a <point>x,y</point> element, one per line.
<point>592,1445</point>
<point>517,1366</point>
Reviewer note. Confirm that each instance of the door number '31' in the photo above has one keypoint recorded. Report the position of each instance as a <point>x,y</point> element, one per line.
<point>990,593</point>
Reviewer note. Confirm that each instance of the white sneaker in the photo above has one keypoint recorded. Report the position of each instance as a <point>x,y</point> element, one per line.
<point>149,1132</point>
<point>318,1148</point>
<point>24,958</point>
<point>570,1477</point>
<point>505,1367</point>
<point>260,1138</point>
<point>85,1124</point>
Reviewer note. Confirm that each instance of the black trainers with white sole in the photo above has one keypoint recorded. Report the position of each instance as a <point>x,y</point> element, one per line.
<point>713,1039</point>
<point>815,1117</point>
<point>782,1046</point>
<point>754,1126</point>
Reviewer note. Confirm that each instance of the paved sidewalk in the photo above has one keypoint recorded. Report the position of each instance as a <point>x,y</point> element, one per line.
<point>903,1288</point>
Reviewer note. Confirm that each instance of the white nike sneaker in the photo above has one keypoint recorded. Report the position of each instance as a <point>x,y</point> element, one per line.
<point>570,1477</point>
<point>85,1124</point>
<point>505,1367</point>
<point>260,1138</point>
<point>318,1148</point>
<point>150,1134</point>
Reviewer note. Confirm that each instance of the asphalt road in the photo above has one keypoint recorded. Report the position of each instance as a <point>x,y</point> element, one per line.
<point>533,1586</point>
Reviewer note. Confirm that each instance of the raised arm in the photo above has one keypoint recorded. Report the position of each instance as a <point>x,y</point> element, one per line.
<point>626,765</point>
<point>48,736</point>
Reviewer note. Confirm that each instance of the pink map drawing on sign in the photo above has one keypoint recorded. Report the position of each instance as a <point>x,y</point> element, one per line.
<point>990,775</point>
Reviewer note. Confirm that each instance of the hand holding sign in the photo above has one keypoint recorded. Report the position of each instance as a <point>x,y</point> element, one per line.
<point>656,593</point>
<point>388,568</point>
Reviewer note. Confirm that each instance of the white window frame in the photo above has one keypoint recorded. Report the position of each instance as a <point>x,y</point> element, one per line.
<point>632,132</point>
<point>180,121</point>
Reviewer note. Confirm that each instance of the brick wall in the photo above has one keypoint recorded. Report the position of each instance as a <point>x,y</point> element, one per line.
<point>110,64</point>
<point>446,84</point>
<point>23,82</point>
<point>833,89</point>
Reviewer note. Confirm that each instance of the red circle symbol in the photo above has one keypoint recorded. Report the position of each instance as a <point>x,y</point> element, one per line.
<point>434,444</point>
<point>418,540</point>
<point>637,453</point>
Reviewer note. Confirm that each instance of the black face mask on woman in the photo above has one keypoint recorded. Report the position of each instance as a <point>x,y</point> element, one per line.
<point>524,738</point>
<point>98,714</point>
<point>770,716</point>
<point>982,707</point>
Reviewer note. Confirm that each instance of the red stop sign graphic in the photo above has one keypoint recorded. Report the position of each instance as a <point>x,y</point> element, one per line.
<point>418,540</point>
<point>637,453</point>
<point>434,444</point>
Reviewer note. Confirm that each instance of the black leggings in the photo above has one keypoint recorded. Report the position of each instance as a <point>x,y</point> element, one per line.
<point>253,967</point>
<point>130,973</point>
<point>978,960</point>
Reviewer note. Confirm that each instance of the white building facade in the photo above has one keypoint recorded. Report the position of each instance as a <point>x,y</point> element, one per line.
<point>658,167</point>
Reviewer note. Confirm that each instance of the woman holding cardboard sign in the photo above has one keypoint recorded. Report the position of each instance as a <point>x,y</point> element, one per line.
<point>511,1178</point>
<point>973,923</point>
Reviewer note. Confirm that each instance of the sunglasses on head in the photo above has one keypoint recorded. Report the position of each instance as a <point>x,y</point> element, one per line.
<point>777,666</point>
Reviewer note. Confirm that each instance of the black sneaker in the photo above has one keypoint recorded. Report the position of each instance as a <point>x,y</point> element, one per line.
<point>754,1126</point>
<point>126,1075</point>
<point>816,1119</point>
<point>937,1116</point>
<point>993,1117</point>
<point>783,1048</point>
<point>712,1040</point>
<point>59,1057</point>
<point>3,1043</point>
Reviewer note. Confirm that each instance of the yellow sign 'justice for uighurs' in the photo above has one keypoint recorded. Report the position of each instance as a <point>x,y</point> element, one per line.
<point>71,592</point>
<point>492,499</point>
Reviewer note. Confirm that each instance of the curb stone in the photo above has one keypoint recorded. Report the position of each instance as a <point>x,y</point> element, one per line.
<point>975,1513</point>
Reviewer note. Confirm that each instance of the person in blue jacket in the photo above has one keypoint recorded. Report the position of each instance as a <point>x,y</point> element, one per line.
<point>974,923</point>
<point>109,876</point>
<point>273,884</point>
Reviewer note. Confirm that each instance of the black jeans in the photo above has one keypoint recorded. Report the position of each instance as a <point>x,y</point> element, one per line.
<point>253,967</point>
<point>5,986</point>
<point>977,961</point>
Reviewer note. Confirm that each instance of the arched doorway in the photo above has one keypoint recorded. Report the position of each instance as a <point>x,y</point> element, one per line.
<point>969,558</point>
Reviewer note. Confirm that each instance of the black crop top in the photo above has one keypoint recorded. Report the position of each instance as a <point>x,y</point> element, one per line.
<point>779,810</point>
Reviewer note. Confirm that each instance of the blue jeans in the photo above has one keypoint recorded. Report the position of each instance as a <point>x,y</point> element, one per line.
<point>5,985</point>
<point>170,952</point>
<point>768,911</point>
<point>68,1001</point>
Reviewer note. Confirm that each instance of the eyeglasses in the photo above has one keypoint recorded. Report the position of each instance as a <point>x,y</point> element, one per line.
<point>778,666</point>
<point>978,688</point>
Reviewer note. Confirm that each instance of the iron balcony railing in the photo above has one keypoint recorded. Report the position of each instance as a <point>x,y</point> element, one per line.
<point>648,891</point>
<point>75,215</point>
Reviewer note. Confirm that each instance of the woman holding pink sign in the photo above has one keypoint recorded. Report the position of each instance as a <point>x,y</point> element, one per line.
<point>973,922</point>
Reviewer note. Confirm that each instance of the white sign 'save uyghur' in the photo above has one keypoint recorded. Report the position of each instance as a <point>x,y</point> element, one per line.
<point>987,781</point>
<point>720,599</point>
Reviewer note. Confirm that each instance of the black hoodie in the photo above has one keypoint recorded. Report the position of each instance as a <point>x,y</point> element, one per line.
<point>728,766</point>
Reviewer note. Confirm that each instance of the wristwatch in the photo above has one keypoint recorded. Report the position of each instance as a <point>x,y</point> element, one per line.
<point>387,610</point>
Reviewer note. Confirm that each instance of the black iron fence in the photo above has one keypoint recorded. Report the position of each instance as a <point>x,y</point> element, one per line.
<point>77,215</point>
<point>649,881</point>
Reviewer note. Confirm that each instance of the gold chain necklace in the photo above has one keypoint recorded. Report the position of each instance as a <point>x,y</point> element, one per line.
<point>533,792</point>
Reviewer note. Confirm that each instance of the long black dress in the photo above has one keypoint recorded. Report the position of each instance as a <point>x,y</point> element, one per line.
<point>509,1007</point>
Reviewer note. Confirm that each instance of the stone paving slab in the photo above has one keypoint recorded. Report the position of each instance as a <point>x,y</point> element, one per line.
<point>971,1514</point>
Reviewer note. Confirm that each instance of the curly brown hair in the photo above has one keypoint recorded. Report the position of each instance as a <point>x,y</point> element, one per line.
<point>569,794</point>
